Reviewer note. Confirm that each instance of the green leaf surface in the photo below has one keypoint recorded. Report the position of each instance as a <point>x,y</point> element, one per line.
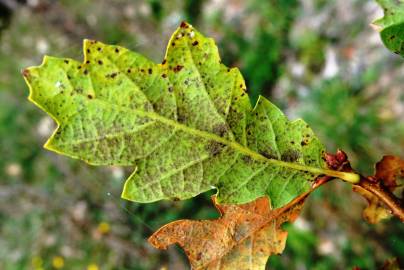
<point>185,126</point>
<point>392,25</point>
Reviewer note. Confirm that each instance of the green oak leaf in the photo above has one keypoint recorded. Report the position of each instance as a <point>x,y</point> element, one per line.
<point>185,126</point>
<point>392,25</point>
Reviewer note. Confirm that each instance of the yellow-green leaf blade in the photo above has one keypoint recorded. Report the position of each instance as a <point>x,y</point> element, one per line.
<point>186,125</point>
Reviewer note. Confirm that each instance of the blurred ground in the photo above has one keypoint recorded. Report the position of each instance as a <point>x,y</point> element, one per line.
<point>317,59</point>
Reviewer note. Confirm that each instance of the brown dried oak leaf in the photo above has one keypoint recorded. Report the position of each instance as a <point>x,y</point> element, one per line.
<point>242,238</point>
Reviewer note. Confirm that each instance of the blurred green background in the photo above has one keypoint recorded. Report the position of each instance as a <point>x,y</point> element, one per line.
<point>316,59</point>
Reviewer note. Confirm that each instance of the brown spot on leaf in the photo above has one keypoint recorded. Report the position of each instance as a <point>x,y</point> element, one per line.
<point>177,68</point>
<point>220,129</point>
<point>268,154</point>
<point>195,43</point>
<point>214,148</point>
<point>183,24</point>
<point>290,156</point>
<point>25,72</point>
<point>112,75</point>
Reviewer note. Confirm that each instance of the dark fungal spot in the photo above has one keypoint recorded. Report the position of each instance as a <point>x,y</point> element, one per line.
<point>290,156</point>
<point>195,43</point>
<point>69,77</point>
<point>78,67</point>
<point>181,118</point>
<point>85,72</point>
<point>220,129</point>
<point>214,148</point>
<point>99,49</point>
<point>164,75</point>
<point>173,44</point>
<point>268,154</point>
<point>183,24</point>
<point>129,70</point>
<point>164,61</point>
<point>99,62</point>
<point>111,75</point>
<point>116,50</point>
<point>88,51</point>
<point>170,89</point>
<point>90,96</point>
<point>66,61</point>
<point>392,37</point>
<point>303,143</point>
<point>247,159</point>
<point>88,62</point>
<point>177,68</point>
<point>141,70</point>
<point>25,72</point>
<point>150,71</point>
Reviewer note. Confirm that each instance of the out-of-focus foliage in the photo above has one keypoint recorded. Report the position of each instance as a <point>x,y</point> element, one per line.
<point>333,71</point>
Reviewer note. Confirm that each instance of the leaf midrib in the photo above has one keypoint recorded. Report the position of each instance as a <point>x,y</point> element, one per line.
<point>240,148</point>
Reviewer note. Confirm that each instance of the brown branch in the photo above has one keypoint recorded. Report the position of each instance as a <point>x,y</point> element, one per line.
<point>388,198</point>
<point>381,185</point>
